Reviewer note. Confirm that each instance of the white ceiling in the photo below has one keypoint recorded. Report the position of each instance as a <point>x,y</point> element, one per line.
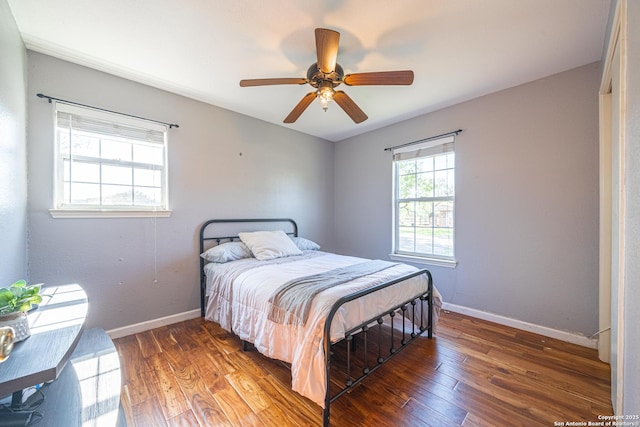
<point>458,49</point>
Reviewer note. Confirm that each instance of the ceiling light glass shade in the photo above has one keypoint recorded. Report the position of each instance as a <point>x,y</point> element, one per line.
<point>325,95</point>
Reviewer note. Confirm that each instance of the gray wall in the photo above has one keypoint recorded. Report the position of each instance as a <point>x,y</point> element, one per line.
<point>631,297</point>
<point>221,164</point>
<point>526,202</point>
<point>13,147</point>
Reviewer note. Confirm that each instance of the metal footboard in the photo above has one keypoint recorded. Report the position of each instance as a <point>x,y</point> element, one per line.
<point>407,311</point>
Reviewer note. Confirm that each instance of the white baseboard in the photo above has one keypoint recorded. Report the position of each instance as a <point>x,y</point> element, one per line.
<point>484,315</point>
<point>526,326</point>
<point>150,324</point>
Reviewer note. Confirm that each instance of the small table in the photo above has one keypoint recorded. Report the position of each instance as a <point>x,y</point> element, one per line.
<point>56,326</point>
<point>87,392</point>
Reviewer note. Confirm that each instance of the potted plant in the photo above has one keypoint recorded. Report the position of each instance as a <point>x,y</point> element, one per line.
<point>15,301</point>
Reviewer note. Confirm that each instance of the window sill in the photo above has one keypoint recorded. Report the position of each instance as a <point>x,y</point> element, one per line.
<point>103,213</point>
<point>423,260</point>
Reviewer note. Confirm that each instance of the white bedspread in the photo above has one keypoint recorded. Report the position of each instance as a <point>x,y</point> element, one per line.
<point>240,306</point>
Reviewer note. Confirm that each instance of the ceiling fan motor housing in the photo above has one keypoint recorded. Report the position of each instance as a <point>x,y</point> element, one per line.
<point>317,78</point>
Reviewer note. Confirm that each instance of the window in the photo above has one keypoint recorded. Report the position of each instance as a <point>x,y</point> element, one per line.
<point>107,162</point>
<point>424,200</point>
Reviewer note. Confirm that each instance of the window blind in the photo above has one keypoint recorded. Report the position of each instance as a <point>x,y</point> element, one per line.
<point>424,149</point>
<point>109,124</point>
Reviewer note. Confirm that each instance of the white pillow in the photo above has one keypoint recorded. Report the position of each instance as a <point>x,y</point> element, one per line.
<point>266,245</point>
<point>305,244</point>
<point>225,252</point>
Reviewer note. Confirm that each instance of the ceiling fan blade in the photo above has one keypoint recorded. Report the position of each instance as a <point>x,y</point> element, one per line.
<point>349,107</point>
<point>299,109</point>
<point>404,77</point>
<point>267,82</point>
<point>327,49</point>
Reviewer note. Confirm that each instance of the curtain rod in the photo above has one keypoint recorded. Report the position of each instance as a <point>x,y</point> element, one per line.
<point>455,132</point>
<point>50,98</point>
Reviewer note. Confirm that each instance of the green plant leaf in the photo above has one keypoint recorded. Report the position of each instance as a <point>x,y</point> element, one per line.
<point>24,306</point>
<point>5,296</point>
<point>19,297</point>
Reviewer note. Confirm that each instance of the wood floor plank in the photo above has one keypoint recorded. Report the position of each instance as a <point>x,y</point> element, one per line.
<point>148,414</point>
<point>468,342</point>
<point>489,410</point>
<point>208,368</point>
<point>235,408</point>
<point>186,419</point>
<point>433,410</point>
<point>249,390</point>
<point>473,373</point>
<point>170,396</point>
<point>362,399</point>
<point>183,335</point>
<point>217,359</point>
<point>273,416</point>
<point>543,394</point>
<point>148,344</point>
<point>483,379</point>
<point>408,387</point>
<point>566,380</point>
<point>431,413</point>
<point>126,405</point>
<point>252,363</point>
<point>588,366</point>
<point>141,386</point>
<point>170,349</point>
<point>201,400</point>
<point>306,411</point>
<point>472,421</point>
<point>132,361</point>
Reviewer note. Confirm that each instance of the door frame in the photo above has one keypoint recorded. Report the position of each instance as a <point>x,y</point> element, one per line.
<point>612,309</point>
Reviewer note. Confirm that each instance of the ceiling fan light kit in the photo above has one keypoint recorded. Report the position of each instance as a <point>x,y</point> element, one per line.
<point>325,74</point>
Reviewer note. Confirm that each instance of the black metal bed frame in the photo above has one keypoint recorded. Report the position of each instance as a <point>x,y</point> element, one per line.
<point>408,311</point>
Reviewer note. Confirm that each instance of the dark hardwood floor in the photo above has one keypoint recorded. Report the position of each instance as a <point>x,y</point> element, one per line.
<point>473,373</point>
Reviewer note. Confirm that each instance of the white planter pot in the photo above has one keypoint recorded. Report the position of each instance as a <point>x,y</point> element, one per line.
<point>19,322</point>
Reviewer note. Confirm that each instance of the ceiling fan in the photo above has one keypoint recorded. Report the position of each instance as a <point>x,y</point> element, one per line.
<point>326,74</point>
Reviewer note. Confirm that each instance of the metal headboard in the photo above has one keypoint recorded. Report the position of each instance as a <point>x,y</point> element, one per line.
<point>207,235</point>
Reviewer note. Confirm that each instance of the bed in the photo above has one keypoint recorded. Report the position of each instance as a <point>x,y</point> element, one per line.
<point>296,303</point>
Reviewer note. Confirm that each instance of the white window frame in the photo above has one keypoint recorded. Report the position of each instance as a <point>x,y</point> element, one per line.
<point>429,148</point>
<point>114,127</point>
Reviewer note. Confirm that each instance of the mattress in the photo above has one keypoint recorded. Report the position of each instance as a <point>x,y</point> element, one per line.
<point>238,294</point>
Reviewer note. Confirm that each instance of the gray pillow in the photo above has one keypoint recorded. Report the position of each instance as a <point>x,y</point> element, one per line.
<point>225,252</point>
